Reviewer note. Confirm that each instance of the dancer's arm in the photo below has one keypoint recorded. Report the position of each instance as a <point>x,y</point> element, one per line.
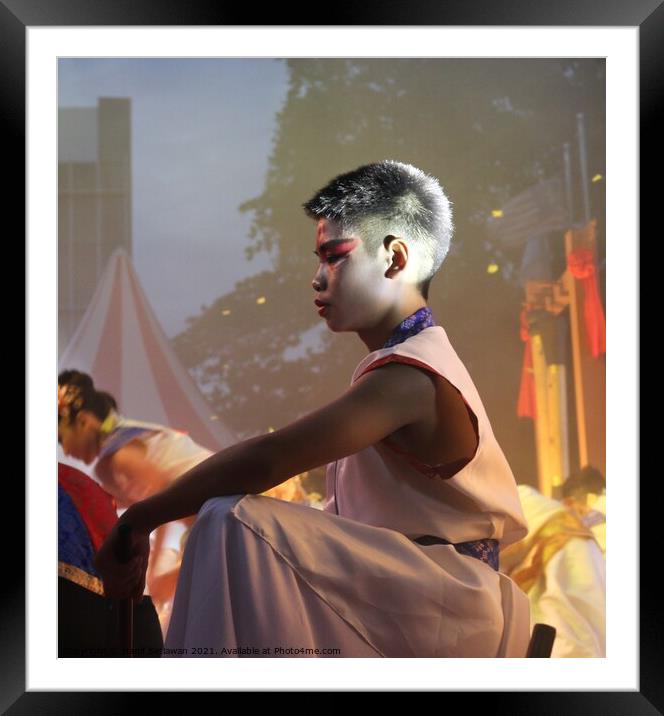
<point>376,405</point>
<point>380,402</point>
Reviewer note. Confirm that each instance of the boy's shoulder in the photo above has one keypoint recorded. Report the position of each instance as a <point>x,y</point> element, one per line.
<point>413,379</point>
<point>416,379</point>
<point>415,385</point>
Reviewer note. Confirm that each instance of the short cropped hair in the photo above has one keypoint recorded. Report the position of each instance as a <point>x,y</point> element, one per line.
<point>390,197</point>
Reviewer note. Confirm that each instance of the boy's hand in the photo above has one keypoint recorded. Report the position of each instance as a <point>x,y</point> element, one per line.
<point>128,579</point>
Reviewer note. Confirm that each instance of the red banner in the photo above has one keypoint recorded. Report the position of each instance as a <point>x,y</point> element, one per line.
<point>581,265</point>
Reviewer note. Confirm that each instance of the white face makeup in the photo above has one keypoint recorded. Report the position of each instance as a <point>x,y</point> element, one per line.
<point>348,281</point>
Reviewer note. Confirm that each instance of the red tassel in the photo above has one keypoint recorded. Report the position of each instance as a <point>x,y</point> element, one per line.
<point>582,267</point>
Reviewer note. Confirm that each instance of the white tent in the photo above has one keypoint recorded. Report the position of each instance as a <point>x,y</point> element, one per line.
<point>120,343</point>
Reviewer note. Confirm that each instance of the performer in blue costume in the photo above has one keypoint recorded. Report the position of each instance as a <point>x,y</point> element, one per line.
<point>134,460</point>
<point>88,621</point>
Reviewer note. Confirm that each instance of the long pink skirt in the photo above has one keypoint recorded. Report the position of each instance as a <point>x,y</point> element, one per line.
<point>262,577</point>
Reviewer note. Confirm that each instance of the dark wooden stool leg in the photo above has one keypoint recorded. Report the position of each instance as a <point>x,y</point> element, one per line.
<point>126,606</point>
<point>541,641</point>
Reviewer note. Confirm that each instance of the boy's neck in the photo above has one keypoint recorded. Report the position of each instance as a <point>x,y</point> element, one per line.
<point>374,338</point>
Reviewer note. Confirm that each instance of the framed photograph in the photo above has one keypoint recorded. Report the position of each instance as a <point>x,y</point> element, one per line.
<point>49,49</point>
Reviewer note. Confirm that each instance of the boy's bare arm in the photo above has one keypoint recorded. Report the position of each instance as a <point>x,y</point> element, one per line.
<point>379,403</point>
<point>376,405</point>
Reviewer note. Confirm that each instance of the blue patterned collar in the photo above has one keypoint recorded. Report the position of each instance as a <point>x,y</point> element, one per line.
<point>416,322</point>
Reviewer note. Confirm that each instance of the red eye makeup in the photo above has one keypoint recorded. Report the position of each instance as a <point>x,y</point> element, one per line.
<point>336,248</point>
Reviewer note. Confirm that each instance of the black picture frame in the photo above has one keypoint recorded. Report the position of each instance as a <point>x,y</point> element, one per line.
<point>17,15</point>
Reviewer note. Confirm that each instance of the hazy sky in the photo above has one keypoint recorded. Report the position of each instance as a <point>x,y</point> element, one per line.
<point>202,135</point>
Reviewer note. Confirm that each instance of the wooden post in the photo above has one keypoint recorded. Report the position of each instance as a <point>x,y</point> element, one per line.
<point>551,434</point>
<point>542,427</point>
<point>588,373</point>
<point>558,435</point>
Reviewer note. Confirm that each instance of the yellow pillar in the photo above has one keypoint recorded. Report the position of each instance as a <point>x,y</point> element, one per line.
<point>542,431</point>
<point>557,424</point>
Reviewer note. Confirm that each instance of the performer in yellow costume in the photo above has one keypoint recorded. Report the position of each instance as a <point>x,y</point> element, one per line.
<point>562,568</point>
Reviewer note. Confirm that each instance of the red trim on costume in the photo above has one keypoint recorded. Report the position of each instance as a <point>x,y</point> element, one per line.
<point>444,470</point>
<point>95,506</point>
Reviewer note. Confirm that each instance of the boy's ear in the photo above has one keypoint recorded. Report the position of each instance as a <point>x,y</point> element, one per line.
<point>399,255</point>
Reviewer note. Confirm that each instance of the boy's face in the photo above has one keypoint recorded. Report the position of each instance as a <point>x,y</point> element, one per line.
<point>349,281</point>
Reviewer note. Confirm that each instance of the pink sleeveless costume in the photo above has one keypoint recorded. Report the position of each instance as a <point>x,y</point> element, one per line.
<point>264,577</point>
